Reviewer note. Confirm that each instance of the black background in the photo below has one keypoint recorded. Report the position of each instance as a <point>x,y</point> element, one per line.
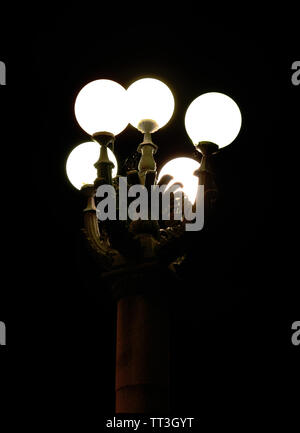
<point>232,357</point>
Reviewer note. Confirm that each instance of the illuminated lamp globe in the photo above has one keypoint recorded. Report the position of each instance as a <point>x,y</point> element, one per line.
<point>150,103</point>
<point>213,117</point>
<point>80,164</point>
<point>182,170</point>
<point>101,106</point>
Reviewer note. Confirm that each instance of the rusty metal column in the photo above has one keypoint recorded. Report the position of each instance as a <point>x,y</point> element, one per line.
<point>142,354</point>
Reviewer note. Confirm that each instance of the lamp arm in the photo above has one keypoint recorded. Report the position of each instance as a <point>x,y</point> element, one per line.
<point>99,244</point>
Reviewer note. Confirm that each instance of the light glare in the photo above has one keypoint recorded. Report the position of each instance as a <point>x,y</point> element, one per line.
<point>149,98</point>
<point>182,170</point>
<point>101,106</point>
<point>80,164</point>
<point>213,117</point>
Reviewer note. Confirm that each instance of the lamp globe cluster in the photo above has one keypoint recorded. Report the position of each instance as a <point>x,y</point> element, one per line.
<point>104,108</point>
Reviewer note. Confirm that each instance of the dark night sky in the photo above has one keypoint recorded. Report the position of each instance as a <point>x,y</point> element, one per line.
<point>231,348</point>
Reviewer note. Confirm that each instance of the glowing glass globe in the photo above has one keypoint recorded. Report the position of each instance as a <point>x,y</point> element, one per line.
<point>149,99</point>
<point>101,106</point>
<point>182,170</point>
<point>80,164</point>
<point>213,117</point>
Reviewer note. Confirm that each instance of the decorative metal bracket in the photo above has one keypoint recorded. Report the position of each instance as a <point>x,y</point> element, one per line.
<point>154,241</point>
<point>98,241</point>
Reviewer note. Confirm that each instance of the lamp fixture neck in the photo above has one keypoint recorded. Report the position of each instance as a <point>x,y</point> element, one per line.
<point>147,162</point>
<point>104,166</point>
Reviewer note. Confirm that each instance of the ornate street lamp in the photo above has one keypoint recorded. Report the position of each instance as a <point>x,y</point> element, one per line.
<point>135,256</point>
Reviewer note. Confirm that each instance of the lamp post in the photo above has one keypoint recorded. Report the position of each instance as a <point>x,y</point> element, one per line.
<point>136,255</point>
